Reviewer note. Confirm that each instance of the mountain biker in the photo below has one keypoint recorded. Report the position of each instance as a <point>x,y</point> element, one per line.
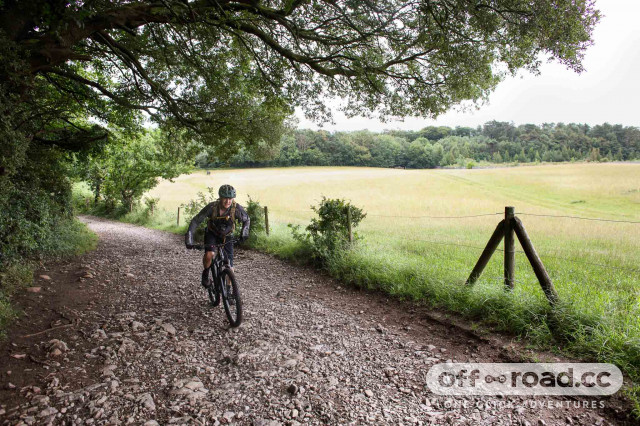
<point>221,214</point>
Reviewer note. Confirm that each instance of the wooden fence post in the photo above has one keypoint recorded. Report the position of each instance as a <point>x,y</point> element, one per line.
<point>487,253</point>
<point>349,224</point>
<point>178,220</point>
<point>266,219</point>
<point>509,226</point>
<point>509,248</point>
<point>538,268</point>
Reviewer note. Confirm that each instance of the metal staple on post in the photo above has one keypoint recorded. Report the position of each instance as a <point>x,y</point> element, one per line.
<point>266,219</point>
<point>509,248</point>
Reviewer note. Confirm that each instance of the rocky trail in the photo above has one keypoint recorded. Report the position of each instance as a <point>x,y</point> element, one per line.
<point>126,335</point>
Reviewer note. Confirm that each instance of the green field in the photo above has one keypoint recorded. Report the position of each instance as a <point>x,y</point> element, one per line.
<point>416,244</point>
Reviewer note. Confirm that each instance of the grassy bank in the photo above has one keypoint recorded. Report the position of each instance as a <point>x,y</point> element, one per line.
<point>70,238</point>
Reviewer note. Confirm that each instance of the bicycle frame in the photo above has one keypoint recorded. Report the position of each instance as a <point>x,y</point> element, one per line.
<point>226,291</point>
<point>219,260</point>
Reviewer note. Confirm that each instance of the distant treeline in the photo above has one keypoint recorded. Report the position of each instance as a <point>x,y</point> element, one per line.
<point>495,142</point>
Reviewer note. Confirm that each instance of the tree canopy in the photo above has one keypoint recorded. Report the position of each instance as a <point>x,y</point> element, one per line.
<point>230,71</point>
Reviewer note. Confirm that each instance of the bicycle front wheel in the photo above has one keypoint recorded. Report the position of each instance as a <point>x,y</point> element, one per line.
<point>231,299</point>
<point>213,290</point>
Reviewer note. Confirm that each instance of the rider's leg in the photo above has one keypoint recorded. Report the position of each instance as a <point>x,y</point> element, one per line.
<point>206,262</point>
<point>228,248</point>
<point>209,238</point>
<point>207,259</point>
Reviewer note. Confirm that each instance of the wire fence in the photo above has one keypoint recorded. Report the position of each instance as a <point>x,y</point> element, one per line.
<point>597,219</point>
<point>472,246</point>
<point>546,255</point>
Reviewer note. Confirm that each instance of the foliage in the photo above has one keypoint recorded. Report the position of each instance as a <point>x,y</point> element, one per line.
<point>496,142</point>
<point>256,215</point>
<point>67,237</point>
<point>32,204</point>
<point>130,168</point>
<point>193,206</point>
<point>151,204</point>
<point>230,70</point>
<point>328,235</point>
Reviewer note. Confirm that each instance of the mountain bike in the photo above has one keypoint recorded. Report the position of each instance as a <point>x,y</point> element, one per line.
<point>222,284</point>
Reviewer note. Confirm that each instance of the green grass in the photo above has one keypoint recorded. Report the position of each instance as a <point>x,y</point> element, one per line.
<point>593,264</point>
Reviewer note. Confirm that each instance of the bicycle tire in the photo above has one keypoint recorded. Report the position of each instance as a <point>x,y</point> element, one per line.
<point>234,312</point>
<point>214,291</point>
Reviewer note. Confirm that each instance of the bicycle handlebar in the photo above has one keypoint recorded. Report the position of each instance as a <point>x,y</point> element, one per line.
<point>214,246</point>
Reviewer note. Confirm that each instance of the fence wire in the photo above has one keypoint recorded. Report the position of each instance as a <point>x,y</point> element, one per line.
<point>436,217</point>
<point>465,245</point>
<point>579,218</point>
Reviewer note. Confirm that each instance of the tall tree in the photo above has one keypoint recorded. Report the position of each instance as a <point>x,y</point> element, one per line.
<point>230,70</point>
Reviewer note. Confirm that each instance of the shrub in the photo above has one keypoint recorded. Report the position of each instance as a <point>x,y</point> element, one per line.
<point>327,235</point>
<point>193,207</point>
<point>151,204</point>
<point>256,215</point>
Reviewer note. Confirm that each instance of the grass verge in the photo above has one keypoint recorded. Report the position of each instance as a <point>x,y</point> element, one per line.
<point>70,238</point>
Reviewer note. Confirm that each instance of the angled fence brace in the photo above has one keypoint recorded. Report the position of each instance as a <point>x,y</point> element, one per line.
<point>488,251</point>
<point>536,263</point>
<point>505,229</point>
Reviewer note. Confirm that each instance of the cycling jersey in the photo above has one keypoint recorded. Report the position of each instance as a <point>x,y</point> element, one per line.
<point>220,224</point>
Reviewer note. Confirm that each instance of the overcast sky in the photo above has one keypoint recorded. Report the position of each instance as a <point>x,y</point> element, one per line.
<point>608,91</point>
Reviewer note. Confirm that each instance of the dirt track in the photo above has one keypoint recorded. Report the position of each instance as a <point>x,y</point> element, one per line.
<point>140,344</point>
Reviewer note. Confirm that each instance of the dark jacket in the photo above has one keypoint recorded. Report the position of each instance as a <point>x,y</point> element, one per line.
<point>219,227</point>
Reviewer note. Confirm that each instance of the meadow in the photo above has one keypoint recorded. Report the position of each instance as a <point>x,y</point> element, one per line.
<point>425,229</point>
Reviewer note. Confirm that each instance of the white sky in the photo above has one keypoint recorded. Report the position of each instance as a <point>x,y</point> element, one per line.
<point>607,91</point>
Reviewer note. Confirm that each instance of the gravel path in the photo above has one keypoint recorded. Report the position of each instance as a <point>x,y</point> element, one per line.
<point>132,339</point>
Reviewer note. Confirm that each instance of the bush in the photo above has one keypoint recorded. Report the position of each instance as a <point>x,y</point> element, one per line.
<point>193,207</point>
<point>256,215</point>
<point>329,234</point>
<point>151,204</point>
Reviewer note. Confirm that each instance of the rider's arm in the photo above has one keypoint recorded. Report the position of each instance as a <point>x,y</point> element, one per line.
<point>197,220</point>
<point>243,216</point>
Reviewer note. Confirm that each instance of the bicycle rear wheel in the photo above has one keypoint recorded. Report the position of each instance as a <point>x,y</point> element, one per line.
<point>231,299</point>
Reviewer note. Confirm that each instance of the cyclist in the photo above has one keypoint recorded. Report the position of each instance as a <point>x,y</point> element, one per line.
<point>222,215</point>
